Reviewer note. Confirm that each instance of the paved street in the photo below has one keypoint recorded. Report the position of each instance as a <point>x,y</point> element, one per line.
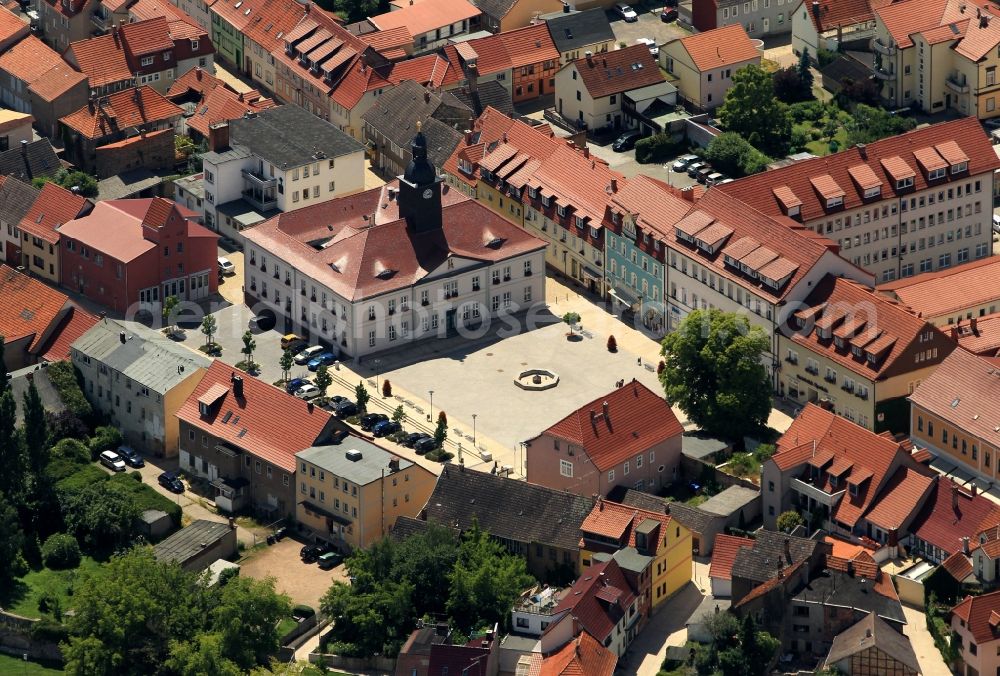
<point>666,628</point>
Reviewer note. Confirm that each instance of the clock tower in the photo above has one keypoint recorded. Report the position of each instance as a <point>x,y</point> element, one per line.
<point>420,189</point>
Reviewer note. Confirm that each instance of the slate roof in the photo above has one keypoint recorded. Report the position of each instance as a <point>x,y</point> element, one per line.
<point>720,47</point>
<point>120,111</point>
<point>581,656</point>
<point>506,508</point>
<point>691,518</point>
<point>626,421</point>
<point>267,422</point>
<point>964,390</point>
<point>289,136</point>
<point>29,307</point>
<point>373,464</point>
<point>489,94</point>
<point>835,588</point>
<point>978,613</point>
<point>618,71</point>
<point>761,562</point>
<point>724,555</point>
<point>578,29</point>
<point>935,294</point>
<point>951,513</point>
<point>872,632</point>
<point>189,541</point>
<point>41,68</point>
<point>599,599</point>
<point>16,198</point>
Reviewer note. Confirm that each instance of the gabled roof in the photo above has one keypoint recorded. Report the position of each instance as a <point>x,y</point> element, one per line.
<point>11,26</point>
<point>115,56</point>
<point>859,592</point>
<point>720,47</point>
<point>577,29</point>
<point>832,14</point>
<point>289,136</point>
<point>618,71</point>
<point>121,110</point>
<point>982,339</point>
<point>958,565</point>
<point>952,21</point>
<point>264,22</point>
<point>426,15</point>
<point>966,133</point>
<point>29,307</point>
<point>613,521</point>
<point>626,421</point>
<point>978,613</point>
<point>902,495</point>
<point>599,599</point>
<point>37,159</point>
<point>54,207</point>
<point>33,62</point>
<point>581,656</point>
<point>222,104</point>
<point>771,552</point>
<point>724,555</point>
<point>872,632</point>
<point>196,80</point>
<point>513,49</point>
<point>506,508</point>
<point>964,390</point>
<point>952,513</point>
<point>266,422</point>
<point>16,198</point>
<point>934,294</point>
<point>76,323</point>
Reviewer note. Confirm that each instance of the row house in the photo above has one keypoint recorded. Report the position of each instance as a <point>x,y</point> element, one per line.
<point>916,202</point>
<point>922,61</point>
<point>37,236</point>
<point>953,413</point>
<point>576,33</point>
<point>128,129</point>
<point>12,29</point>
<point>408,261</point>
<point>30,160</point>
<point>954,520</point>
<point>858,353</point>
<point>845,479</point>
<point>35,79</point>
<point>248,32</point>
<point>826,24</point>
<point>65,21</point>
<point>629,437</point>
<point>151,52</point>
<point>138,378</point>
<point>16,199</point>
<point>275,160</point>
<point>606,605</point>
<point>759,18</point>
<point>704,63</point>
<point>136,253</point>
<point>34,316</point>
<point>964,292</point>
<point>241,435</point>
<point>431,23</point>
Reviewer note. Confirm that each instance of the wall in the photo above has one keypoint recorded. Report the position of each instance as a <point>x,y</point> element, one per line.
<point>15,639</point>
<point>354,664</point>
<point>675,571</point>
<point>40,257</point>
<point>172,401</point>
<point>926,430</point>
<point>762,19</point>
<point>521,14</point>
<point>153,150</point>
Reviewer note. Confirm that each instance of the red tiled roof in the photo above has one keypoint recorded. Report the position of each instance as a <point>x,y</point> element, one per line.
<point>598,617</point>
<point>55,205</point>
<point>958,565</point>
<point>582,656</point>
<point>612,520</point>
<point>196,80</point>
<point>619,71</point>
<point>983,340</point>
<point>952,513</point>
<point>430,70</point>
<point>967,133</point>
<point>934,294</point>
<point>265,22</point>
<point>943,21</point>
<point>636,420</point>
<point>900,498</point>
<point>41,68</point>
<point>11,25</point>
<point>724,555</point>
<point>222,104</point>
<point>394,38</point>
<point>978,611</point>
<point>119,111</point>
<point>76,323</point>
<point>720,47</point>
<point>426,15</point>
<point>29,307</point>
<point>964,390</point>
<point>267,422</point>
<point>832,14</point>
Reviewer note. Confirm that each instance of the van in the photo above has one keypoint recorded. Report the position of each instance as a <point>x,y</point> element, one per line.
<point>713,179</point>
<point>307,354</point>
<point>112,461</point>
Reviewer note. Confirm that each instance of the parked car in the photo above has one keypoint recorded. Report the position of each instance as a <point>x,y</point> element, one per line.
<point>650,43</point>
<point>332,402</point>
<point>322,359</point>
<point>296,383</point>
<point>704,173</point>
<point>131,457</point>
<point>626,141</point>
<point>681,163</point>
<point>330,560</point>
<point>369,420</point>
<point>226,266</point>
<point>346,409</point>
<point>694,167</point>
<point>668,15</point>
<point>307,392</point>
<point>385,428</point>
<point>112,461</point>
<point>626,12</point>
<point>424,445</point>
<point>311,553</point>
<point>293,342</point>
<point>412,438</point>
<point>171,482</point>
<point>714,178</point>
<point>992,123</point>
<point>308,353</point>
<point>996,224</point>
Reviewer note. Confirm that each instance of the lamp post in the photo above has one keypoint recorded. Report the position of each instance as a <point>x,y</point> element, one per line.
<point>376,363</point>
<point>474,428</point>
<point>431,392</point>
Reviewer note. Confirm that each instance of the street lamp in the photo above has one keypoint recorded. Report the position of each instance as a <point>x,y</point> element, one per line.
<point>431,392</point>
<point>474,428</point>
<point>377,363</point>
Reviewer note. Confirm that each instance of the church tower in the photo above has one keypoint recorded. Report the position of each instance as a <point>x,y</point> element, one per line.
<point>420,189</point>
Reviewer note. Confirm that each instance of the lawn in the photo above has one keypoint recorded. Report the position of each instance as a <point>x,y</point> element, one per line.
<point>286,625</point>
<point>817,128</point>
<point>15,667</point>
<point>22,597</point>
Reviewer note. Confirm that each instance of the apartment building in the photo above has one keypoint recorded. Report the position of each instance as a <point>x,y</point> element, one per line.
<point>246,34</point>
<point>976,634</point>
<point>858,353</point>
<point>276,160</point>
<point>411,260</point>
<point>759,18</point>
<point>704,63</point>
<point>138,378</point>
<point>37,234</point>
<point>351,494</point>
<point>939,55</point>
<point>917,202</point>
<point>965,292</point>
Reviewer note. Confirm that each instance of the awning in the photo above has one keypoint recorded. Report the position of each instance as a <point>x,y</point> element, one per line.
<point>589,272</point>
<point>623,296</point>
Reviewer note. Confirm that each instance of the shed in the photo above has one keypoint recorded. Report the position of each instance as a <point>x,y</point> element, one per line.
<point>732,502</point>
<point>196,547</point>
<point>155,523</point>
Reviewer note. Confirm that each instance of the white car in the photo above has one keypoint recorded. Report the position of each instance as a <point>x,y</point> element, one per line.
<point>307,354</point>
<point>650,43</point>
<point>626,12</point>
<point>307,392</point>
<point>112,461</point>
<point>996,224</point>
<point>226,266</point>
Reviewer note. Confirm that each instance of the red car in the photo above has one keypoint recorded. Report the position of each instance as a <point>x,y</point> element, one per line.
<point>668,15</point>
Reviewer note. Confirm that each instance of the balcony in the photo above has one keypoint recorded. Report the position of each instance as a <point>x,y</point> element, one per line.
<point>888,49</point>
<point>101,23</point>
<point>883,73</point>
<point>957,83</point>
<point>260,191</point>
<point>818,494</point>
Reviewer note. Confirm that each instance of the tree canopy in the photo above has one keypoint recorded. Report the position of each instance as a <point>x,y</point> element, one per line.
<point>715,373</point>
<point>86,183</point>
<point>752,111</point>
<point>870,124</point>
<point>731,154</point>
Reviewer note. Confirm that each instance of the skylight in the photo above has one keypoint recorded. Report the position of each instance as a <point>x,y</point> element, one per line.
<point>955,401</point>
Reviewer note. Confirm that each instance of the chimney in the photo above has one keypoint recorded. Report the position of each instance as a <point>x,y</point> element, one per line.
<point>974,490</point>
<point>788,549</point>
<point>472,74</point>
<point>600,503</point>
<point>965,546</point>
<point>954,495</point>
<point>604,409</point>
<point>505,137</point>
<point>586,152</point>
<point>394,464</point>
<point>461,464</point>
<point>427,96</point>
<point>197,72</point>
<point>238,387</point>
<point>121,337</point>
<point>218,136</point>
<point>954,333</point>
<point>565,8</point>
<point>614,185</point>
<point>973,323</point>
<point>815,8</point>
<point>24,148</point>
<point>577,628</point>
<point>593,418</point>
<point>590,57</point>
<point>469,135</point>
<point>863,151</point>
<point>232,523</point>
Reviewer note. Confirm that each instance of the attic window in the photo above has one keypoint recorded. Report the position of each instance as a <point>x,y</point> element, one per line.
<point>873,192</point>
<point>904,183</point>
<point>834,202</point>
<point>853,488</point>
<point>959,168</point>
<point>386,274</point>
<point>955,402</point>
<point>833,481</point>
<point>202,408</point>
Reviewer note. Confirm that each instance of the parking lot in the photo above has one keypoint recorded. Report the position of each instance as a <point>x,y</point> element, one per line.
<point>303,582</point>
<point>648,26</point>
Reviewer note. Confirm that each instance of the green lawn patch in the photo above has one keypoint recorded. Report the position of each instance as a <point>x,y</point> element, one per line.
<point>286,625</point>
<point>22,598</point>
<point>15,666</point>
<point>147,497</point>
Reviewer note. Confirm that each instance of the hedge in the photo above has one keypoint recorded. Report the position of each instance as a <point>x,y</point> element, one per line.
<point>83,477</point>
<point>657,148</point>
<point>62,375</point>
<point>146,497</point>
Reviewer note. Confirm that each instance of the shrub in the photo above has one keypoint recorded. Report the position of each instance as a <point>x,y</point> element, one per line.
<point>386,388</point>
<point>656,148</point>
<point>787,521</point>
<point>834,146</point>
<point>62,375</point>
<point>815,134</point>
<point>105,439</point>
<point>303,611</point>
<point>61,551</point>
<point>612,344</point>
<point>731,154</point>
<point>80,479</point>
<point>47,631</point>
<point>803,111</point>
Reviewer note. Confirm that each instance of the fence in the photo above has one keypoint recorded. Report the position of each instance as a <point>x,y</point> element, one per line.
<point>354,664</point>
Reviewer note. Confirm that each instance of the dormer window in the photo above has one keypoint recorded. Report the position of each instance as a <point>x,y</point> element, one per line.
<point>465,166</point>
<point>546,201</point>
<point>202,408</point>
<point>833,481</point>
<point>580,222</point>
<point>561,210</point>
<point>904,183</point>
<point>959,168</point>
<point>935,174</point>
<point>794,211</point>
<point>873,192</point>
<point>853,488</point>
<point>533,193</point>
<point>834,202</point>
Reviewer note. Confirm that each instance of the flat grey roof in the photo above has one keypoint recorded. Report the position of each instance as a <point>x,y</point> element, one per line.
<point>289,136</point>
<point>234,152</point>
<point>374,462</point>
<point>187,542</point>
<point>729,501</point>
<point>701,447</point>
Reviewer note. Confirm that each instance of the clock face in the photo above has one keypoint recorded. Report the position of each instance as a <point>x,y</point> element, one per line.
<point>428,193</point>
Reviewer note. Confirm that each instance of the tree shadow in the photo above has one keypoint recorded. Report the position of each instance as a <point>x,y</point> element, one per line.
<point>13,593</point>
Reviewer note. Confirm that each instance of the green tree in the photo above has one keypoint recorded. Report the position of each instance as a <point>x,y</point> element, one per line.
<point>399,415</point>
<point>209,325</point>
<point>868,124</point>
<point>246,618</point>
<point>788,521</point>
<point>102,515</point>
<point>571,319</point>
<point>370,622</point>
<point>106,438</point>
<point>361,397</point>
<point>441,431</point>
<point>36,431</point>
<point>204,656</point>
<point>249,345</point>
<point>751,110</point>
<point>61,551</point>
<point>12,458</point>
<point>11,541</point>
<point>805,74</point>
<point>714,372</point>
<point>85,183</point>
<point>170,303</point>
<point>731,154</point>
<point>323,379</point>
<point>286,361</point>
<point>5,385</point>
<point>485,581</point>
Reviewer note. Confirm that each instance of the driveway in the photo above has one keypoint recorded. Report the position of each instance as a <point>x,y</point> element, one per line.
<point>928,656</point>
<point>233,322</point>
<point>666,628</point>
<point>626,164</point>
<point>303,582</point>
<point>648,26</point>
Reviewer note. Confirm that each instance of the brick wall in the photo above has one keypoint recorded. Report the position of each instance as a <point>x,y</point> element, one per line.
<point>154,150</point>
